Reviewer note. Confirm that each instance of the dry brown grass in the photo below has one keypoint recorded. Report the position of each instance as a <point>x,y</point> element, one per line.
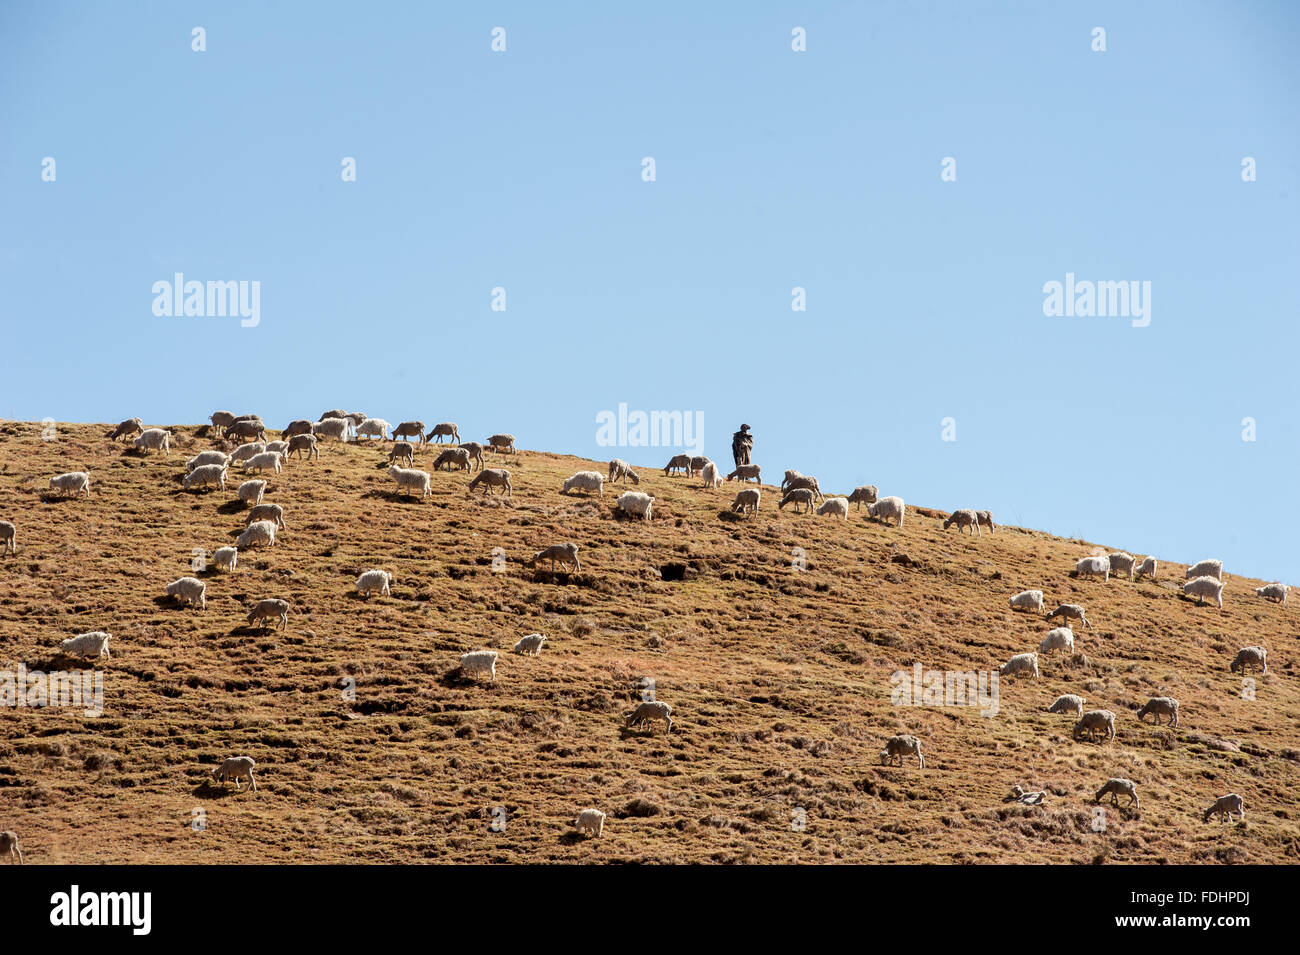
<point>779,680</point>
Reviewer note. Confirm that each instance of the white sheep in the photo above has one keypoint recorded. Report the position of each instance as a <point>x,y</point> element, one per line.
<point>591,821</point>
<point>1028,600</point>
<point>401,451</point>
<point>251,492</point>
<point>278,447</point>
<point>649,712</point>
<point>964,519</point>
<point>1062,638</point>
<point>221,419</point>
<point>189,590</point>
<point>585,481</point>
<point>904,744</point>
<point>1068,703</point>
<point>206,457</point>
<point>226,558</point>
<point>258,532</point>
<point>1122,562</point>
<point>1250,658</point>
<point>154,439</point>
<point>475,451</point>
<point>93,644</point>
<point>886,508</point>
<point>238,769</point>
<point>246,451</point>
<point>805,481</point>
<point>479,661</point>
<point>409,480</point>
<point>1275,591</point>
<point>1090,567</point>
<point>9,537</point>
<point>375,581</point>
<point>73,482</point>
<point>635,504</point>
<point>9,846</point>
<point>127,428</point>
<point>1223,806</point>
<point>711,476</point>
<point>266,512</point>
<point>303,442</point>
<point>1021,663</point>
<point>800,495</point>
<point>1159,706</point>
<point>1116,788</point>
<point>566,554</point>
<point>373,428</point>
<point>835,506</point>
<point>1203,587</point>
<point>531,644</point>
<point>1206,568</point>
<point>502,443</point>
<point>746,472</point>
<point>620,469</point>
<point>1094,722</point>
<point>272,608</point>
<point>266,461</point>
<point>446,429</point>
<point>1068,612</point>
<point>336,428</point>
<point>1147,569</point>
<point>866,494</point>
<point>206,475</point>
<point>986,520</point>
<point>452,458</point>
<point>747,500</point>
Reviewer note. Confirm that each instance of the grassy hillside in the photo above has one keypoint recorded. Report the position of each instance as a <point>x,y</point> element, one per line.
<point>779,679</point>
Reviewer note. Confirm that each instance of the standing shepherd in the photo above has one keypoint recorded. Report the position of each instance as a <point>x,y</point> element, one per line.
<point>742,443</point>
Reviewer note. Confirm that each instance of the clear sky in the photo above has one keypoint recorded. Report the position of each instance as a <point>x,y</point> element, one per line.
<point>774,169</point>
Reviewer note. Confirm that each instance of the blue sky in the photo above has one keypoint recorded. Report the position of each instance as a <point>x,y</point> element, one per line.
<point>774,169</point>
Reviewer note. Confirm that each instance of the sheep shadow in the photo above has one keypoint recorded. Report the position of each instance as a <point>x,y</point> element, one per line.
<point>573,838</point>
<point>456,678</point>
<point>61,662</point>
<point>731,517</point>
<point>53,497</point>
<point>254,630</point>
<point>232,507</point>
<point>210,789</point>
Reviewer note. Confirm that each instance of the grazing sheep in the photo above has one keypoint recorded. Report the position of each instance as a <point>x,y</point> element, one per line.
<point>986,520</point>
<point>698,462</point>
<point>866,494</point>
<point>410,429</point>
<point>206,457</point>
<point>337,428</point>
<point>1203,587</point>
<point>127,428</point>
<point>635,504</point>
<point>73,482</point>
<point>9,537</point>
<point>904,744</point>
<point>375,582</point>
<point>189,590</point>
<point>1116,788</point>
<point>238,769</point>
<point>1223,806</point>
<point>803,481</point>
<point>279,447</point>
<point>1028,600</point>
<point>747,500</point>
<point>479,661</point>
<point>583,481</point>
<point>272,608</point>
<point>1062,638</point>
<point>9,844</point>
<point>295,428</point>
<point>258,532</point>
<point>266,512</point>
<point>246,452</point>
<point>1021,795</point>
<point>1068,703</point>
<point>266,461</point>
<point>1147,569</point>
<point>502,443</point>
<point>226,558</point>
<point>619,469</point>
<point>1159,706</point>
<point>1089,567</point>
<point>679,462</point>
<point>964,519</point>
<point>1069,612</point>
<point>335,413</point>
<point>1206,568</point>
<point>591,821</point>
<point>452,458</point>
<point>711,475</point>
<point>247,417</point>
<point>406,453</point>
<point>1094,722</point>
<point>835,506</point>
<point>1122,562</point>
<point>800,495</point>
<point>373,428</point>
<point>1250,657</point>
<point>356,417</point>
<point>1275,592</point>
<point>886,508</point>
<point>409,479</point>
<point>446,429</point>
<point>1021,663</point>
<point>303,442</point>
<point>475,451</point>
<point>246,429</point>
<point>566,554</point>
<point>745,472</point>
<point>221,419</point>
<point>206,475</point>
<point>93,644</point>
<point>790,475</point>
<point>493,478</point>
<point>251,492</point>
<point>649,712</point>
<point>531,644</point>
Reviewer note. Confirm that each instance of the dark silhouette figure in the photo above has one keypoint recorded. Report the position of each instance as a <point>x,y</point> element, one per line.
<point>742,443</point>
